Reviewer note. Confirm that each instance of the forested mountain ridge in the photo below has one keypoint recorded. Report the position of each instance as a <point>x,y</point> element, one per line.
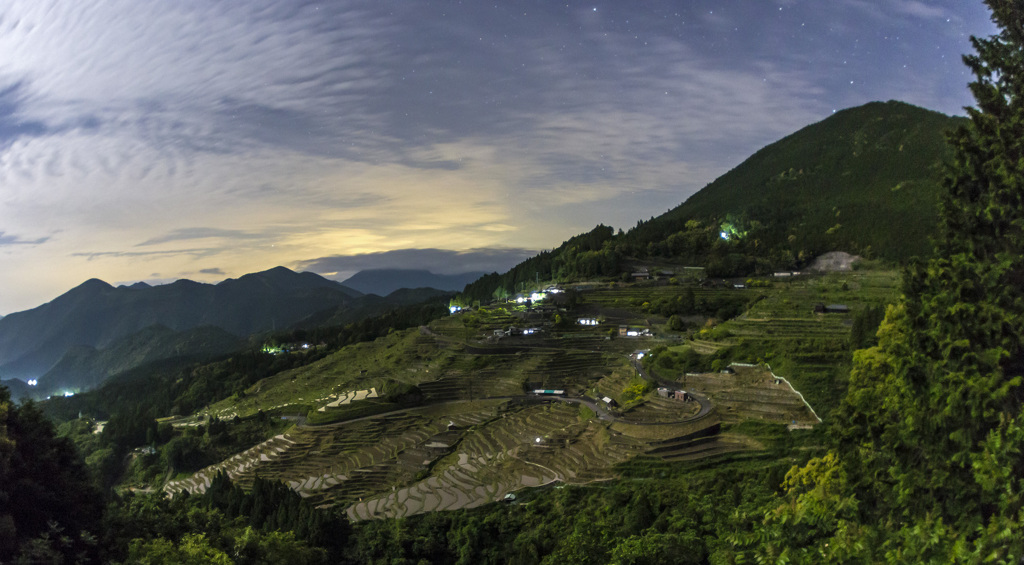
<point>84,367</point>
<point>95,314</point>
<point>865,181</point>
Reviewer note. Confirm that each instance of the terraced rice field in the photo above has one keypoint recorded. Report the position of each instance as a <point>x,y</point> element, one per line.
<point>811,349</point>
<point>632,296</point>
<point>477,438</point>
<point>697,447</point>
<point>569,369</point>
<point>343,462</point>
<point>529,447</point>
<point>751,393</point>
<point>662,411</point>
<point>348,398</point>
<point>470,376</point>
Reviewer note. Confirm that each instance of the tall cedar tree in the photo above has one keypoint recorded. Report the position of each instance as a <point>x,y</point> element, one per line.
<point>44,485</point>
<point>928,464</point>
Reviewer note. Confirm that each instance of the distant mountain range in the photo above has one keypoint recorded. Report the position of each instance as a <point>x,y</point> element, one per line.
<point>383,282</point>
<point>95,331</point>
<point>96,315</point>
<point>85,367</point>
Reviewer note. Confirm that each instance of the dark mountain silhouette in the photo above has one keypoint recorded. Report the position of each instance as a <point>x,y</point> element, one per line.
<point>383,282</point>
<point>95,314</point>
<point>85,367</point>
<point>368,306</point>
<point>18,389</point>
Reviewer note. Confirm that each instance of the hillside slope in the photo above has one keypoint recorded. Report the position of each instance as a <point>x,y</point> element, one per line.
<point>872,170</point>
<point>95,314</point>
<point>84,367</point>
<point>865,180</point>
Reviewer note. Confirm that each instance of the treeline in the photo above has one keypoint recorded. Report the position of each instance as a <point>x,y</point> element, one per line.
<point>670,520</point>
<point>581,257</point>
<point>725,247</point>
<point>51,512</point>
<point>42,481</point>
<point>268,524</point>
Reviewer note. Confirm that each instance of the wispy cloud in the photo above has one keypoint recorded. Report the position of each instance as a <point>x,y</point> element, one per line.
<point>921,10</point>
<point>151,135</point>
<point>886,10</point>
<point>185,234</point>
<point>195,252</point>
<point>18,240</point>
<point>438,261</point>
<point>196,76</point>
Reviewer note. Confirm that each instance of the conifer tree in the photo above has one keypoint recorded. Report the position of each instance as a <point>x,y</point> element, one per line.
<point>956,353</point>
<point>928,463</point>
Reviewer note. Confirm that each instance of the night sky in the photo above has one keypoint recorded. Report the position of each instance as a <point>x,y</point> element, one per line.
<point>197,139</point>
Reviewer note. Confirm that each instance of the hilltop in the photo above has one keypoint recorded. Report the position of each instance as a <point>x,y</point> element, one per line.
<point>864,180</point>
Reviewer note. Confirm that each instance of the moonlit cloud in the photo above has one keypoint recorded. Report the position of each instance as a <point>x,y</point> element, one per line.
<point>439,261</point>
<point>17,240</point>
<point>156,137</point>
<point>184,234</point>
<point>921,10</point>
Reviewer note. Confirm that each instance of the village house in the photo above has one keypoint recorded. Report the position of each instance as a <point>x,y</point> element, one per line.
<point>641,274</point>
<point>680,395</point>
<point>821,308</point>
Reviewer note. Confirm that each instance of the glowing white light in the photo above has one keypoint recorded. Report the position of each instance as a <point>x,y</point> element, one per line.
<point>538,440</point>
<point>725,235</point>
<point>33,382</point>
<point>68,393</point>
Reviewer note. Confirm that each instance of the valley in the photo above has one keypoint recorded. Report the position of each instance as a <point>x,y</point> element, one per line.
<point>472,407</point>
<point>339,327</point>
